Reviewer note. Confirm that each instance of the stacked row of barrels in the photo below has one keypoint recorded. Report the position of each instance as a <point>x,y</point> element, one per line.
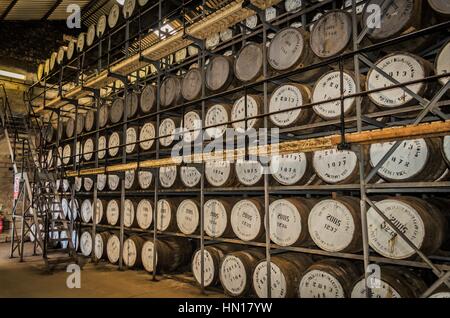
<point>331,224</point>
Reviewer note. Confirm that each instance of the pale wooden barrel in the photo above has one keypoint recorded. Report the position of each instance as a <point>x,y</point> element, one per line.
<point>238,112</point>
<point>247,219</point>
<point>292,5</point>
<point>88,149</point>
<point>114,16</point>
<point>114,142</point>
<point>113,182</point>
<point>101,145</point>
<point>215,115</point>
<point>89,120</point>
<point>335,225</point>
<point>145,179</point>
<point>236,271</point>
<point>61,58</point>
<point>102,25</point>
<point>188,216</point>
<point>289,96</point>
<point>219,173</point>
<point>116,111</point>
<point>129,217</point>
<point>442,63</point>
<point>446,149</point>
<point>170,92</point>
<point>190,176</point>
<point>132,104</point>
<point>103,115</point>
<point>90,35</point>
<point>148,99</point>
<point>113,248</point>
<point>70,127</point>
<point>286,271</point>
<point>441,292</point>
<point>168,176</point>
<point>289,221</point>
<point>167,131</point>
<point>248,66</point>
<point>88,184</point>
<point>394,283</point>
<point>86,243</point>
<point>144,214</point>
<point>292,169</point>
<point>102,179</point>
<point>442,7</point>
<point>217,217</point>
<point>192,126</point>
<point>219,73</point>
<point>249,172</point>
<point>421,222</point>
<point>413,160</point>
<point>131,180</point>
<point>71,50</point>
<point>113,212</point>
<point>171,254</point>
<point>53,58</point>
<point>336,166</point>
<point>100,242</point>
<point>132,250</point>
<point>181,55</point>
<point>131,139</point>
<point>146,133</point>
<point>212,41</point>
<point>86,211</point>
<point>81,42</point>
<point>74,207</point>
<point>129,8</point>
<point>191,85</point>
<point>166,215</point>
<point>101,217</point>
<point>329,278</point>
<point>40,72</point>
<point>403,67</point>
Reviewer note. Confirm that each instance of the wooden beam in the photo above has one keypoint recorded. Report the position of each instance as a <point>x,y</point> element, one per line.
<point>8,9</point>
<point>52,9</point>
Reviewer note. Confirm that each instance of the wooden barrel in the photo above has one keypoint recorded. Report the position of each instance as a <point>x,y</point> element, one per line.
<point>88,149</point>
<point>332,34</point>
<point>88,184</point>
<point>80,124</point>
<point>113,248</point>
<point>100,242</point>
<point>90,35</point>
<point>247,219</point>
<point>441,7</point>
<point>86,211</point>
<point>65,244</point>
<point>114,16</point>
<point>446,149</point>
<point>403,67</point>
<point>117,110</point>
<point>129,217</point>
<point>442,63</point>
<point>61,58</point>
<point>286,270</point>
<point>168,176</point>
<point>53,58</point>
<point>394,282</point>
<point>421,222</point>
<point>148,98</point>
<point>335,225</point>
<point>131,180</point>
<point>113,182</point>
<point>190,176</point>
<point>40,72</point>
<point>145,179</point>
<point>89,120</point>
<point>70,127</point>
<point>132,250</point>
<point>289,221</point>
<point>188,216</point>
<point>181,55</point>
<point>327,87</point>
<point>289,50</point>
<point>86,243</point>
<point>47,67</point>
<point>249,172</point>
<point>329,278</point>
<point>212,41</point>
<point>101,144</point>
<point>74,208</point>
<point>292,169</point>
<point>100,211</point>
<point>114,142</point>
<point>102,25</point>
<point>101,182</point>
<point>167,131</point>
<point>192,126</point>
<point>113,212</point>
<point>191,85</point>
<point>146,133</point>
<point>71,50</point>
<point>248,66</point>
<point>132,104</point>
<point>236,271</point>
<point>171,254</point>
<point>217,214</point>
<point>441,292</point>
<point>336,166</point>
<point>170,92</point>
<point>144,214</point>
<point>81,42</point>
<point>239,112</point>
<point>166,215</point>
<point>103,115</point>
<point>219,73</point>
<point>129,8</point>
<point>289,96</point>
<point>132,139</point>
<point>219,173</point>
<point>49,133</point>
<point>215,115</point>
<point>413,160</point>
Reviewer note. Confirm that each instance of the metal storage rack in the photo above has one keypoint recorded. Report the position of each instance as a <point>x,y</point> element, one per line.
<point>106,75</point>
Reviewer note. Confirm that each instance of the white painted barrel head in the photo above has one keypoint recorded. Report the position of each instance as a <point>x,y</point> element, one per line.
<point>331,225</point>
<point>277,279</point>
<point>216,218</point>
<point>292,5</point>
<point>246,220</point>
<point>286,97</point>
<point>88,184</point>
<point>129,253</point>
<point>216,114</point>
<point>113,16</point>
<point>113,182</point>
<point>101,26</point>
<point>145,179</point>
<point>233,276</point>
<point>248,172</point>
<point>65,207</point>
<point>128,8</point>
<point>101,182</point>
<point>285,222</point>
<point>192,124</point>
<point>217,172</point>
<point>442,63</point>
<point>335,166</point>
<point>98,246</point>
<point>129,178</point>
<point>320,284</point>
<point>145,136</point>
<point>190,176</point>
<point>209,268</point>
<point>113,249</point>
<point>163,214</point>
<point>129,213</point>
<point>88,149</point>
<point>112,212</point>
<point>167,176</point>
<point>86,243</point>
<point>446,148</point>
<point>74,207</point>
<point>131,139</point>
<point>440,295</point>
<point>384,240</point>
<point>90,35</point>
<point>226,35</point>
<point>167,132</point>
<point>212,41</point>
<point>407,161</point>
<point>288,169</point>
<point>67,154</point>
<point>188,217</point>
<point>114,144</point>
<point>286,49</point>
<point>238,114</point>
<point>99,211</point>
<point>86,211</point>
<point>144,214</point>
<point>101,147</point>
<point>385,290</point>
<point>147,256</point>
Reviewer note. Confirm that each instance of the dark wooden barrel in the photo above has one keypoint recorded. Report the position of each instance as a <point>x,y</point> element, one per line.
<point>100,242</point>
<point>90,35</point>
<point>148,98</point>
<point>336,166</point>
<point>103,115</point>
<point>116,111</point>
<point>113,212</point>
<point>292,169</point>
<point>217,217</point>
<point>219,73</point>
<point>86,211</point>
<point>129,218</point>
<point>166,215</point>
<point>131,180</point>
<point>113,248</point>
<point>88,184</point>
<point>132,104</point>
<point>215,115</point>
<point>191,85</point>
<point>114,142</point>
<point>88,149</point>
<point>102,25</point>
<point>170,91</point>
<point>80,124</point>
<point>113,182</point>
<point>167,131</point>
<point>421,222</point>
<point>89,120</point>
<point>441,7</point>
<point>286,271</point>
<point>188,216</point>
<point>413,160</point>
<point>114,16</point>
<point>335,225</point>
<point>249,172</point>
<point>289,96</point>
<point>101,147</point>
<point>190,176</point>
<point>144,214</point>
<point>146,133</point>
<point>168,176</point>
<point>86,243</point>
<point>289,221</point>
<point>219,173</point>
<point>50,133</point>
<point>247,219</point>
<point>248,66</point>
<point>132,251</point>
<point>102,179</point>
<point>236,271</point>
<point>239,112</point>
<point>132,136</point>
<point>70,128</point>
<point>145,179</point>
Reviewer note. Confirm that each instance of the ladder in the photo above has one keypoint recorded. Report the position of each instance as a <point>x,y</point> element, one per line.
<point>38,209</point>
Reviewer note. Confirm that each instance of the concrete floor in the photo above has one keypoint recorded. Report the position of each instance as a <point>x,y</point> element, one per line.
<point>28,279</point>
